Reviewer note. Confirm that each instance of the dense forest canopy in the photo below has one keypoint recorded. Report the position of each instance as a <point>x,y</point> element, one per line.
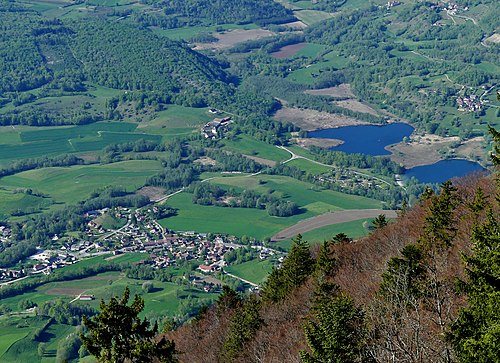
<point>213,12</point>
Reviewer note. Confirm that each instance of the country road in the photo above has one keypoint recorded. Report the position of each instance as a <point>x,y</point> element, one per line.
<point>330,218</point>
<point>239,278</point>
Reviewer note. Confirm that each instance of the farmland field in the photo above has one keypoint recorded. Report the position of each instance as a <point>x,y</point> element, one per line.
<point>249,146</point>
<point>22,142</point>
<point>312,16</point>
<point>353,229</point>
<point>242,221</point>
<point>78,182</point>
<point>255,271</point>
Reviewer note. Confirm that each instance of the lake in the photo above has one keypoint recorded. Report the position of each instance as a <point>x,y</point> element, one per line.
<point>372,139</point>
<point>365,139</point>
<point>443,170</point>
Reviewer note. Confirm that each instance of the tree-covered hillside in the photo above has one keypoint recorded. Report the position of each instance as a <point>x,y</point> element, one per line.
<point>422,289</point>
<point>212,12</point>
<point>46,58</point>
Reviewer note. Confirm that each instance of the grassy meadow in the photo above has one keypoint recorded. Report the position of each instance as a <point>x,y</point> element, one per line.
<point>243,221</point>
<point>73,184</point>
<point>255,271</point>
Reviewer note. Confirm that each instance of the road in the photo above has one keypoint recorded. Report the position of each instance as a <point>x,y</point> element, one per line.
<point>239,278</point>
<point>330,218</point>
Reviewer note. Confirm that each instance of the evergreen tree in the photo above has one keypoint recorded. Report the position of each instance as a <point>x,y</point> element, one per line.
<point>243,326</point>
<point>296,267</point>
<point>380,221</point>
<point>337,334</point>
<point>476,332</point>
<point>118,335</point>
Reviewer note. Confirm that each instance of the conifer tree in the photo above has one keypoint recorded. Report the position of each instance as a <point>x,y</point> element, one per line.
<point>475,335</point>
<point>117,334</point>
<point>337,333</point>
<point>296,267</point>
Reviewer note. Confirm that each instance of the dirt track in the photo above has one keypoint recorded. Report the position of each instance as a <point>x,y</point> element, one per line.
<point>330,218</point>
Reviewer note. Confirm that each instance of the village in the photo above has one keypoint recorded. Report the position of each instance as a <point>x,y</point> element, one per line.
<point>141,233</point>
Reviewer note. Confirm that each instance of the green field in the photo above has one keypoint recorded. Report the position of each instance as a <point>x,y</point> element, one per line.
<point>353,229</point>
<point>255,271</point>
<point>74,184</point>
<point>308,166</point>
<point>177,121</point>
<point>129,257</point>
<point>234,221</point>
<point>246,145</point>
<point>16,343</point>
<point>308,74</point>
<point>22,142</point>
<point>186,33</point>
<point>13,201</point>
<point>243,221</point>
<point>311,50</point>
<point>310,17</point>
<point>304,194</point>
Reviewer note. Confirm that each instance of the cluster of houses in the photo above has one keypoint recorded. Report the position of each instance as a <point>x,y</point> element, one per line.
<point>392,3</point>
<point>142,233</point>
<point>348,179</point>
<point>140,228</point>
<point>452,8</point>
<point>212,129</point>
<point>48,260</point>
<point>11,274</point>
<point>470,103</point>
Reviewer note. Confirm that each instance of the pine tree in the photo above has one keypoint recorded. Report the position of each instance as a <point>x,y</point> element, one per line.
<point>117,334</point>
<point>380,221</point>
<point>337,333</point>
<point>475,335</point>
<point>296,267</point>
<point>243,326</point>
<point>476,332</point>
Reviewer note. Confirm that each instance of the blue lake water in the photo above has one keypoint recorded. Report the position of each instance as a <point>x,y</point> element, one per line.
<point>371,140</point>
<point>443,170</point>
<point>365,139</point>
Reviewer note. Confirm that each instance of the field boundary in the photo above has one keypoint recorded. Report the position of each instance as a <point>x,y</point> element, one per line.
<point>328,219</point>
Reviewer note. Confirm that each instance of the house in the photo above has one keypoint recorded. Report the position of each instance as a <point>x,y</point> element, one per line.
<point>205,268</point>
<point>86,297</point>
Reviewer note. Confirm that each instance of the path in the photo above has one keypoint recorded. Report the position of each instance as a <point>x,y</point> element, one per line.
<point>239,278</point>
<point>296,156</point>
<point>159,200</point>
<point>330,218</point>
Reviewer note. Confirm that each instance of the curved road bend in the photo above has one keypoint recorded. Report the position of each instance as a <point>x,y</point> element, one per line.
<point>330,218</point>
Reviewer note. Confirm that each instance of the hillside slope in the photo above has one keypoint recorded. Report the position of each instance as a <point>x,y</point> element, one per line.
<point>401,279</point>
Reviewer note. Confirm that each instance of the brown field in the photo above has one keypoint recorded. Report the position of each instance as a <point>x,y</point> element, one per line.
<point>262,161</point>
<point>328,219</point>
<point>310,120</point>
<point>295,25</point>
<point>495,38</point>
<point>320,142</point>
<point>153,193</point>
<point>355,105</point>
<point>342,90</point>
<point>230,38</point>
<point>288,50</point>
<point>421,150</point>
